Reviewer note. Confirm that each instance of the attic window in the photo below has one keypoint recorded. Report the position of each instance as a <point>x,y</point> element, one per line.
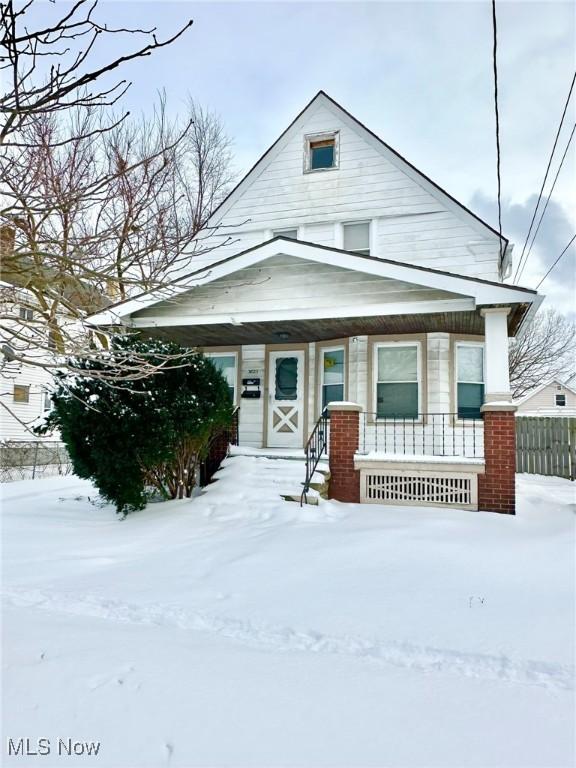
<point>357,237</point>
<point>292,234</point>
<point>561,400</point>
<point>321,152</point>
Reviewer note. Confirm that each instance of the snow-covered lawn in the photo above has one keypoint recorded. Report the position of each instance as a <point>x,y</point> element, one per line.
<point>240,630</point>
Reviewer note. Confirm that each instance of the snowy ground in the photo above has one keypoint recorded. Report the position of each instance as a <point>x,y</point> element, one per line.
<point>240,630</point>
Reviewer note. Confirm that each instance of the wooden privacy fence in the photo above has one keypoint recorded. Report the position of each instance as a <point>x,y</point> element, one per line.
<point>546,445</point>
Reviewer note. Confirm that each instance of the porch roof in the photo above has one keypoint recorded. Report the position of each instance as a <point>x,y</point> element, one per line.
<point>325,329</point>
<point>451,302</point>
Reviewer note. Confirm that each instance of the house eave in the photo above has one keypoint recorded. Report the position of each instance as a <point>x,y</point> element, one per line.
<point>483,292</point>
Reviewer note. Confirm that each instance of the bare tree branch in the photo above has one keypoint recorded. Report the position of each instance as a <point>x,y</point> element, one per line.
<point>543,351</point>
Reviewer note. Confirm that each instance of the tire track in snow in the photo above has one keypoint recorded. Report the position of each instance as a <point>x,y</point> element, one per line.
<point>285,639</point>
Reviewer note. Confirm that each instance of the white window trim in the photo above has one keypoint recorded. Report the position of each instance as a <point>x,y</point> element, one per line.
<point>45,395</point>
<point>370,230</point>
<point>457,345</point>
<point>323,136</point>
<point>236,397</point>
<point>377,345</point>
<point>323,350</point>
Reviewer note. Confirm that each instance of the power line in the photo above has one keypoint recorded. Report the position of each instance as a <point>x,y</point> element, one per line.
<point>545,177</point>
<point>556,262</point>
<point>495,68</point>
<point>529,251</point>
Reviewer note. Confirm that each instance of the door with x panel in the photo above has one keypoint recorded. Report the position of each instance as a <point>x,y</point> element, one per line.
<point>286,399</point>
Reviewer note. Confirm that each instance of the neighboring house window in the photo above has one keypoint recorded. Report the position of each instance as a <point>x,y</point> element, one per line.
<point>470,380</point>
<point>397,372</point>
<point>357,237</point>
<point>226,364</point>
<point>47,401</point>
<point>321,152</point>
<point>21,393</point>
<point>26,314</point>
<point>332,375</point>
<point>561,400</point>
<point>291,233</point>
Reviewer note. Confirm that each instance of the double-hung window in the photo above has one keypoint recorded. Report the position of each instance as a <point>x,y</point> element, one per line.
<point>357,237</point>
<point>469,380</point>
<point>332,375</point>
<point>397,373</point>
<point>227,364</point>
<point>561,400</point>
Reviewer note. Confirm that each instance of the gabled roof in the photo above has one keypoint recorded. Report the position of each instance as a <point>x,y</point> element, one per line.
<point>390,153</point>
<point>484,292</point>
<point>538,389</point>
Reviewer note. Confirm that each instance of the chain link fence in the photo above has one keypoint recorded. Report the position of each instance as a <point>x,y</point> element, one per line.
<point>30,459</point>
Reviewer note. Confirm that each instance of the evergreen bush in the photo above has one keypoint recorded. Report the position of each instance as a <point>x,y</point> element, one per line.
<point>126,435</point>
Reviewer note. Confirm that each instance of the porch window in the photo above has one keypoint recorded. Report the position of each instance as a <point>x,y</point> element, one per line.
<point>397,380</point>
<point>357,237</point>
<point>470,380</point>
<point>332,375</point>
<point>227,365</point>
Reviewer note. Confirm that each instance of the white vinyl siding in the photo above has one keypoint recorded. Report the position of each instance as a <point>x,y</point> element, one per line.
<point>543,401</point>
<point>285,282</point>
<point>409,223</point>
<point>252,409</point>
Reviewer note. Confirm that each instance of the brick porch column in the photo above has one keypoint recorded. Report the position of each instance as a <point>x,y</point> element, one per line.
<point>497,486</point>
<point>344,442</point>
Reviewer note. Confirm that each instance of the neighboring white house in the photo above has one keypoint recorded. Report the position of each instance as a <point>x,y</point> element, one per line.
<point>336,271</point>
<point>553,398</point>
<point>24,389</point>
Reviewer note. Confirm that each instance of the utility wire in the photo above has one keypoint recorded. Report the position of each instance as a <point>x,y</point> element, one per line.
<point>556,262</point>
<point>516,275</point>
<point>495,68</point>
<point>529,251</point>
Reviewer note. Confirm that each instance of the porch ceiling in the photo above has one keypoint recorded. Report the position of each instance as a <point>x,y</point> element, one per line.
<point>301,331</point>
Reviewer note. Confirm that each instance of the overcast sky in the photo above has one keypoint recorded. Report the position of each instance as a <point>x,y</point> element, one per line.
<point>418,74</point>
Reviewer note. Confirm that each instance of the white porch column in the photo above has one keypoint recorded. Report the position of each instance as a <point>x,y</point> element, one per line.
<point>497,383</point>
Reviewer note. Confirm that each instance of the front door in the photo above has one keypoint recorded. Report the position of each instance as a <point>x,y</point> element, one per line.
<point>286,399</point>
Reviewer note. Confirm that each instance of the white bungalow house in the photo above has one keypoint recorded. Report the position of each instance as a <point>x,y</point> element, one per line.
<point>337,273</point>
<point>552,398</point>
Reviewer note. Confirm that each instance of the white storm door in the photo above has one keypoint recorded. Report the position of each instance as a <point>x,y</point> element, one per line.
<point>286,399</point>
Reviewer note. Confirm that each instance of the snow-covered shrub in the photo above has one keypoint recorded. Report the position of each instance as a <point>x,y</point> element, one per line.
<point>127,434</point>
